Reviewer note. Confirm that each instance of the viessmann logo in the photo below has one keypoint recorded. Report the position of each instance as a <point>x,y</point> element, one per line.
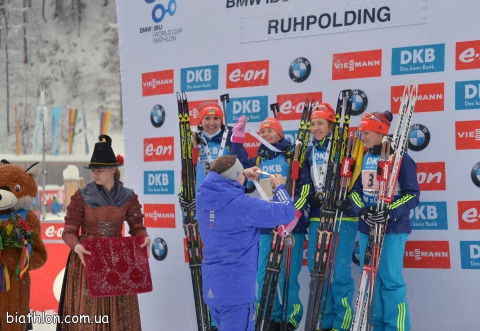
<point>159,215</point>
<point>158,149</point>
<point>467,135</point>
<point>357,65</point>
<point>430,98</point>
<point>468,215</point>
<point>247,74</point>
<point>427,254</point>
<point>467,55</point>
<point>157,82</point>
<point>431,176</point>
<point>290,106</point>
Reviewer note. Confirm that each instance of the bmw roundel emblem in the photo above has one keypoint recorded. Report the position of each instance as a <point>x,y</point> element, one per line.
<point>419,137</point>
<point>299,69</point>
<point>359,102</point>
<point>159,249</point>
<point>157,116</point>
<point>476,174</point>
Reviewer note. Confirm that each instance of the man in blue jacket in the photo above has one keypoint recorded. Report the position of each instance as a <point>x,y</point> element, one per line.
<point>230,222</point>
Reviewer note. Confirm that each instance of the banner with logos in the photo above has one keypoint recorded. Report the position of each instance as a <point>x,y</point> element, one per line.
<point>270,51</point>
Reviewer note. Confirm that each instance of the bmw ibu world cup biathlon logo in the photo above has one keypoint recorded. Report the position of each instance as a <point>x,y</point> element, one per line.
<point>419,137</point>
<point>299,69</point>
<point>159,249</point>
<point>359,102</point>
<point>157,116</point>
<point>476,174</point>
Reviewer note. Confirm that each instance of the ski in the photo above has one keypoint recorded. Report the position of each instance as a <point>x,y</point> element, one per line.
<point>329,214</point>
<point>190,224</point>
<point>278,244</point>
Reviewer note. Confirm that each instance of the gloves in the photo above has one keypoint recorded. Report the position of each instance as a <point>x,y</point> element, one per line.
<point>342,205</point>
<point>315,200</point>
<point>238,131</point>
<point>284,230</point>
<point>381,216</point>
<point>366,215</point>
<point>187,205</point>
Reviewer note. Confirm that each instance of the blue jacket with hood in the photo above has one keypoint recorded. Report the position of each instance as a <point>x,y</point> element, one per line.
<point>229,222</point>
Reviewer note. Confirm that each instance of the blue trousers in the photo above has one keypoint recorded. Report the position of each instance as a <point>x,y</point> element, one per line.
<point>239,317</point>
<point>295,307</point>
<point>390,302</point>
<point>338,311</point>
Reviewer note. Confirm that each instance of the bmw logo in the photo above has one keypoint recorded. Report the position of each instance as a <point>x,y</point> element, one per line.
<point>159,249</point>
<point>476,174</point>
<point>157,116</point>
<point>359,102</point>
<point>299,69</point>
<point>419,137</point>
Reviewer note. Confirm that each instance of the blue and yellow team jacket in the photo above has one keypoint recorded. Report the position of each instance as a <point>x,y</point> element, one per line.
<point>407,193</point>
<point>318,151</point>
<point>278,163</point>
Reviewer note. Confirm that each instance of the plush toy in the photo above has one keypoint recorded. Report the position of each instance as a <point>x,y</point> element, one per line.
<point>17,191</point>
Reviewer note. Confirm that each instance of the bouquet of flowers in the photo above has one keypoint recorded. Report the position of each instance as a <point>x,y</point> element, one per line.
<point>15,233</point>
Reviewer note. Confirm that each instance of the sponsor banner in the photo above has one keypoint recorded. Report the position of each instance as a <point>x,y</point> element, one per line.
<point>419,137</point>
<point>251,145</point>
<point>427,254</point>
<point>357,65</point>
<point>470,254</point>
<point>430,98</point>
<point>52,231</point>
<point>467,55</point>
<point>475,174</point>
<point>255,108</point>
<point>467,135</point>
<point>431,176</point>
<point>468,215</point>
<point>429,216</point>
<point>193,110</point>
<point>290,106</point>
<point>159,249</point>
<point>158,182</point>
<point>326,20</point>
<point>50,194</point>
<point>247,74</point>
<point>199,78</point>
<point>418,59</point>
<point>158,149</point>
<point>467,95</point>
<point>159,215</point>
<point>157,82</point>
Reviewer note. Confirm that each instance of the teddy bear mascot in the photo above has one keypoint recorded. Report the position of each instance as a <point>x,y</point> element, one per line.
<point>18,190</point>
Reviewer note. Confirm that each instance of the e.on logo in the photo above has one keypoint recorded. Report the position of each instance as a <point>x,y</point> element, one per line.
<point>158,149</point>
<point>357,64</point>
<point>468,215</point>
<point>194,110</point>
<point>290,106</point>
<point>430,98</point>
<point>431,176</point>
<point>247,74</point>
<point>467,135</point>
<point>467,55</point>
<point>159,215</point>
<point>158,82</point>
<point>427,254</point>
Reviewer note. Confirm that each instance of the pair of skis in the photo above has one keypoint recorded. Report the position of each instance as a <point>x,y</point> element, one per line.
<point>335,186</point>
<point>275,257</point>
<point>190,224</point>
<point>387,175</point>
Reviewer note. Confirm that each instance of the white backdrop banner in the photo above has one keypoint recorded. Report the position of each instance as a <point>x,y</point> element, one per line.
<point>265,51</point>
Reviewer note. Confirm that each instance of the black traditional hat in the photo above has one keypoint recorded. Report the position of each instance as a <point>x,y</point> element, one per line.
<point>103,155</point>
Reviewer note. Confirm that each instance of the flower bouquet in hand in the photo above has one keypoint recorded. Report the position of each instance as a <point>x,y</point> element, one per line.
<point>16,233</point>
